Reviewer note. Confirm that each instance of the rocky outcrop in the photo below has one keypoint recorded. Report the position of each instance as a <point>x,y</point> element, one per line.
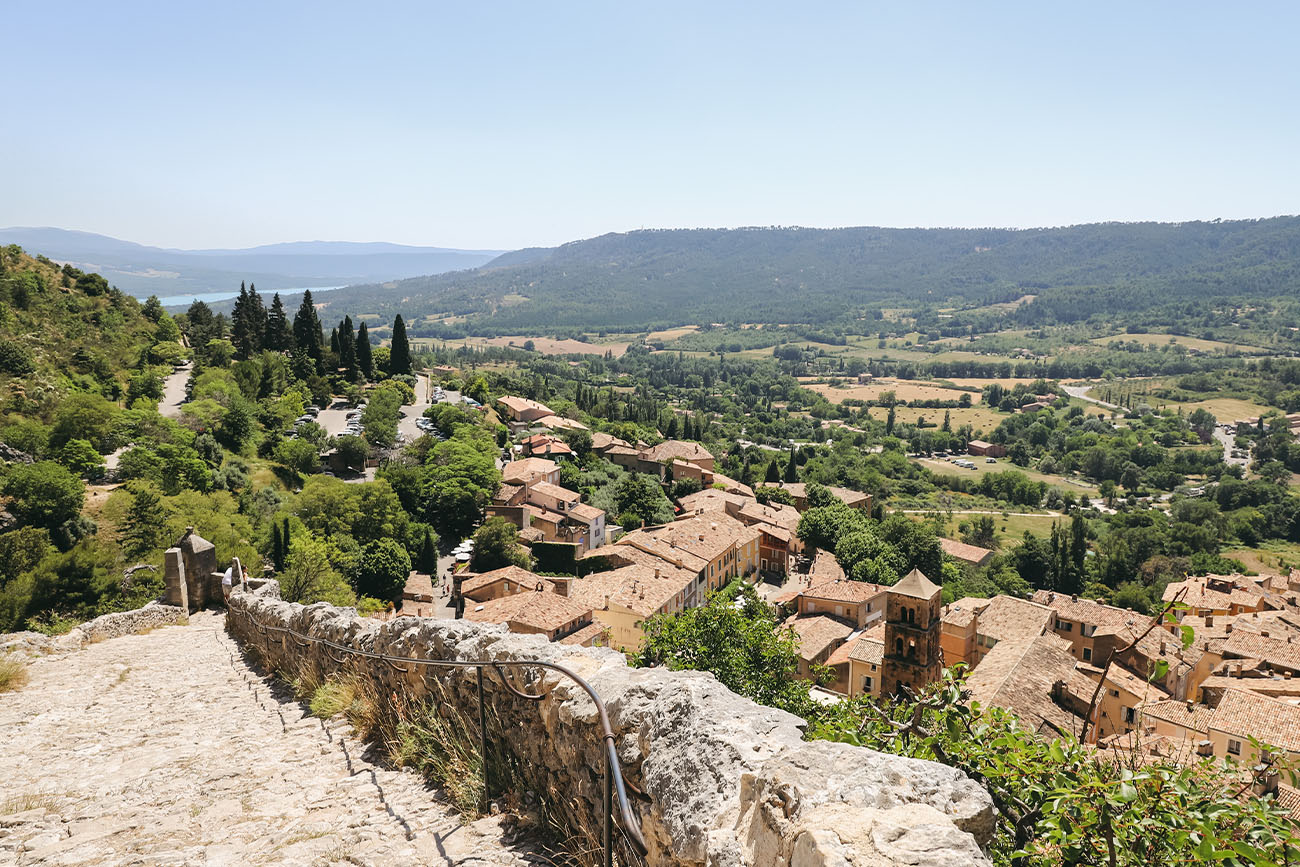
<point>716,779</point>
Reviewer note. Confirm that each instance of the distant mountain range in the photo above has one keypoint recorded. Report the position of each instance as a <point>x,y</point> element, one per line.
<point>142,270</point>
<point>656,278</point>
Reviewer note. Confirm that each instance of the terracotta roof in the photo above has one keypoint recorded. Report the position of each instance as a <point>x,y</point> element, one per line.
<point>776,514</point>
<point>1288,798</point>
<point>522,404</point>
<point>799,490</point>
<point>691,543</point>
<point>622,450</point>
<point>1020,675</point>
<point>818,632</point>
<point>555,492</point>
<point>964,611</point>
<point>585,512</point>
<point>585,635</point>
<point>670,450</point>
<point>418,586</point>
<point>542,610</point>
<point>1188,714</point>
<point>979,444</point>
<point>732,486</point>
<point>870,646</point>
<point>844,590</point>
<point>825,568</point>
<point>506,493</point>
<point>1278,652</point>
<point>1119,677</point>
<point>1007,618</point>
<point>713,500</point>
<point>508,573</point>
<point>1089,611</point>
<point>962,551</point>
<point>558,421</point>
<point>1245,714</point>
<point>635,587</point>
<point>1277,687</point>
<point>1200,595</point>
<point>528,470</point>
<point>601,441</point>
<point>916,586</point>
<point>552,447</point>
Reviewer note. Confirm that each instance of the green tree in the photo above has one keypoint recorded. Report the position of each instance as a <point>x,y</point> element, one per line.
<point>82,458</point>
<point>639,500</point>
<point>744,645</point>
<point>307,332</point>
<point>43,494</point>
<point>279,334</point>
<point>297,455</point>
<point>309,576</point>
<point>496,545</point>
<point>353,451</point>
<point>365,359</point>
<point>383,569</point>
<point>145,525</point>
<point>399,357</point>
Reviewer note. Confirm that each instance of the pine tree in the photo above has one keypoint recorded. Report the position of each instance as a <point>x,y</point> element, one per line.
<point>145,522</point>
<point>256,318</point>
<point>348,347</point>
<point>239,323</point>
<point>334,341</point>
<point>365,362</point>
<point>306,330</point>
<point>399,356</point>
<point>279,338</point>
<point>889,423</point>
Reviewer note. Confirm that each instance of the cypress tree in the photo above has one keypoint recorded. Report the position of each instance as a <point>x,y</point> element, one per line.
<point>773,473</point>
<point>348,347</point>
<point>399,356</point>
<point>428,561</point>
<point>306,329</point>
<point>256,319</point>
<point>284,540</point>
<point>277,548</point>
<point>365,362</point>
<point>278,336</point>
<point>792,467</point>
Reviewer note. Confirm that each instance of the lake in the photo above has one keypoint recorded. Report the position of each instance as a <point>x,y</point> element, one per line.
<point>213,297</point>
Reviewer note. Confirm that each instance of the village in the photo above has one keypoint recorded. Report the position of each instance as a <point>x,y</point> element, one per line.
<point>1215,675</point>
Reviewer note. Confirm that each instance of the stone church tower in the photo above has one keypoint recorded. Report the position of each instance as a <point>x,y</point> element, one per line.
<point>913,611</point>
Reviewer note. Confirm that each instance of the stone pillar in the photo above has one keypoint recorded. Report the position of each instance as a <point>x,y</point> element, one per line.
<point>173,568</point>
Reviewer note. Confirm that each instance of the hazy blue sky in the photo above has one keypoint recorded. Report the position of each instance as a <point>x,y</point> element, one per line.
<point>500,125</point>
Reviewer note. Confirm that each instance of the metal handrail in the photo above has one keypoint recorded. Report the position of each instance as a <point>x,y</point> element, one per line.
<point>613,782</point>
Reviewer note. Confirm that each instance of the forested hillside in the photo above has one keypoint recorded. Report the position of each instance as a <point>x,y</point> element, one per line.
<point>658,278</point>
<point>64,330</point>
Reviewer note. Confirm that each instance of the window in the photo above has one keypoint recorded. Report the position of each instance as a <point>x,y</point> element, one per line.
<point>1064,627</point>
<point>1114,693</point>
<point>866,683</point>
<point>1130,716</point>
<point>1087,654</point>
<point>898,647</point>
<point>1234,747</point>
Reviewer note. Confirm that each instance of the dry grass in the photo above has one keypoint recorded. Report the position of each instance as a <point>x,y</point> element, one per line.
<point>13,674</point>
<point>902,389</point>
<point>29,801</point>
<point>544,345</point>
<point>354,698</point>
<point>1203,345</point>
<point>443,753</point>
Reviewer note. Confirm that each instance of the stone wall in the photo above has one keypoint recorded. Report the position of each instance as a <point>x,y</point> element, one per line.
<point>101,628</point>
<point>716,779</point>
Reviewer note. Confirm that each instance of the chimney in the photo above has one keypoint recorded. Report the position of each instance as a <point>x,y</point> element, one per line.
<point>606,601</point>
<point>656,572</point>
<point>1205,748</point>
<point>701,537</point>
<point>1227,628</point>
<point>1191,705</point>
<point>1162,647</point>
<point>1263,633</point>
<point>1074,597</point>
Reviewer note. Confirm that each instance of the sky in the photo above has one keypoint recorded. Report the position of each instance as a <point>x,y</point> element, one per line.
<point>504,125</point>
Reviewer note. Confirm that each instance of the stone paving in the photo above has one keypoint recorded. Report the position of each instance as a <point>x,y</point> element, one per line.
<point>166,748</point>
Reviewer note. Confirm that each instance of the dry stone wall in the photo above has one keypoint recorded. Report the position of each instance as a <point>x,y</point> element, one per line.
<point>101,628</point>
<point>716,779</point>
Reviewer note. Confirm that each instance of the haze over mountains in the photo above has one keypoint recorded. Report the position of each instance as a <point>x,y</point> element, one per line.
<point>142,270</point>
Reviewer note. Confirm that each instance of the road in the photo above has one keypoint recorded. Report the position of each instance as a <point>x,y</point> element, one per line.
<point>406,424</point>
<point>174,391</point>
<point>1081,392</point>
<point>1228,441</point>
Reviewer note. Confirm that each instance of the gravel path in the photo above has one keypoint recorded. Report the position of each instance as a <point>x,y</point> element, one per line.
<point>166,748</point>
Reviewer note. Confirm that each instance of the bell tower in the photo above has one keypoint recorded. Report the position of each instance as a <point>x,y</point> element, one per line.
<point>912,623</point>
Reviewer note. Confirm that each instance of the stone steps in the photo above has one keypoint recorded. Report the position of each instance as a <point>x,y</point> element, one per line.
<point>166,748</point>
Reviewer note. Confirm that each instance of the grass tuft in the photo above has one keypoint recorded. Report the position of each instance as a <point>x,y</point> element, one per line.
<point>427,743</point>
<point>13,674</point>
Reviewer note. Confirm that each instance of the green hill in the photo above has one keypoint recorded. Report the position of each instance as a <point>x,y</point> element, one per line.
<point>63,331</point>
<point>658,278</point>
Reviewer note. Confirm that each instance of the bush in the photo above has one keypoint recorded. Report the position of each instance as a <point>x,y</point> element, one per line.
<point>44,494</point>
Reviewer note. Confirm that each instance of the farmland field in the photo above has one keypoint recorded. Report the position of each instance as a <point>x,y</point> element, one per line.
<point>902,389</point>
<point>544,345</point>
<point>982,468</point>
<point>1197,343</point>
